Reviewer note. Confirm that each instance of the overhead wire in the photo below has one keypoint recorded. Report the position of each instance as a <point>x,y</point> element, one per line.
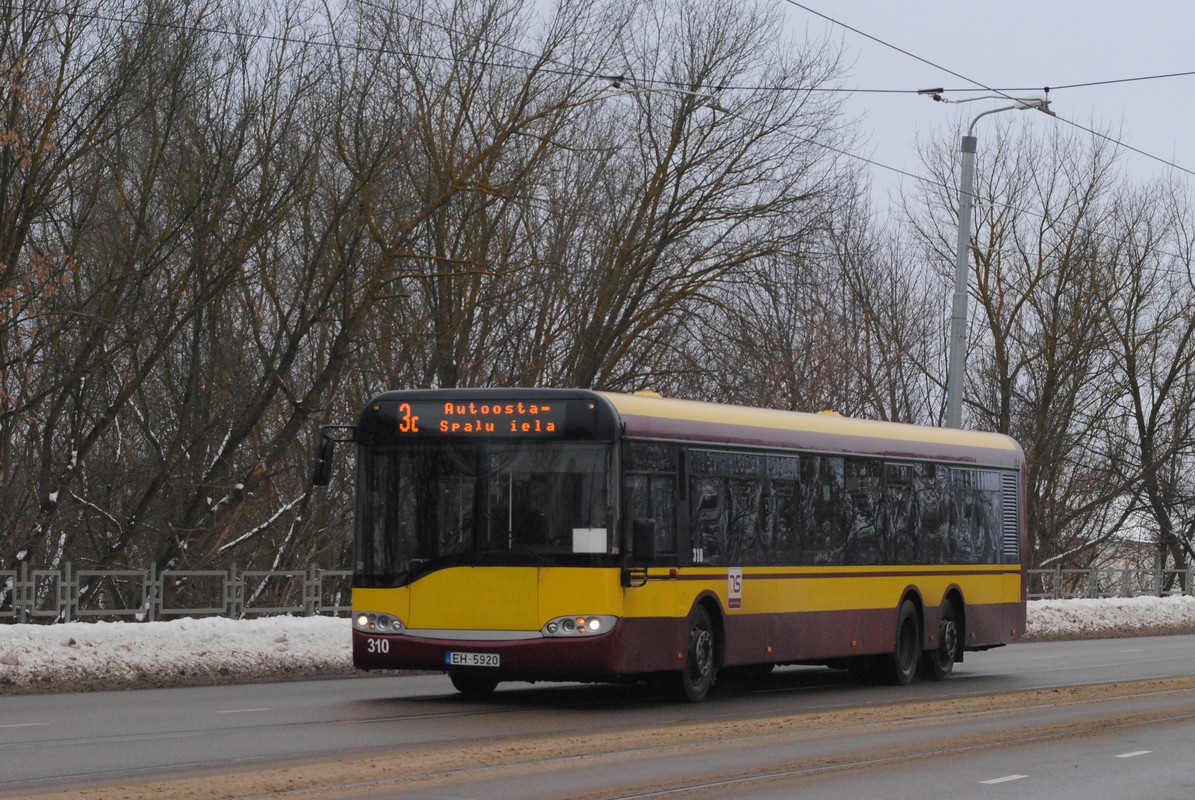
<point>998,91</point>
<point>1004,93</point>
<point>568,70</point>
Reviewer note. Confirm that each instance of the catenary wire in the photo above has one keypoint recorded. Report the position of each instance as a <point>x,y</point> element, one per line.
<point>570,71</point>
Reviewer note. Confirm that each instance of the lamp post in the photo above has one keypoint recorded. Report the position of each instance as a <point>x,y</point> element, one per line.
<point>957,364</point>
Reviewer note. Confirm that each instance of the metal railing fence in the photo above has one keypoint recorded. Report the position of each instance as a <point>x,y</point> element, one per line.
<point>145,595</point>
<point>1066,584</point>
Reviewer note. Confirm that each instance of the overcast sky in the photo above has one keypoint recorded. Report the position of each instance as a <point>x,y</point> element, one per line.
<point>1010,44</point>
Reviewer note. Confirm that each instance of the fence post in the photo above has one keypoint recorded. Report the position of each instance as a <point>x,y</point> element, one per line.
<point>311,591</point>
<point>68,593</point>
<point>20,594</point>
<point>234,593</point>
<point>151,594</point>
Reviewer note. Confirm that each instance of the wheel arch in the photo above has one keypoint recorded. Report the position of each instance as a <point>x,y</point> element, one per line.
<point>912,594</point>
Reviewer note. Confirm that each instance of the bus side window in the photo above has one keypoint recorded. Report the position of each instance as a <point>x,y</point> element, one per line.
<point>708,520</point>
<point>933,501</point>
<point>863,502</point>
<point>975,516</point>
<point>653,497</point>
<point>780,531</point>
<point>900,514</point>
<point>823,512</point>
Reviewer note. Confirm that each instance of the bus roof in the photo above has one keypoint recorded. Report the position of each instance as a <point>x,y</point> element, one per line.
<point>651,416</point>
<point>434,412</point>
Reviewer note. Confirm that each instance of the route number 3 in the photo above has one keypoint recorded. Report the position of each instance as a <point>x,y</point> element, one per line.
<point>408,422</point>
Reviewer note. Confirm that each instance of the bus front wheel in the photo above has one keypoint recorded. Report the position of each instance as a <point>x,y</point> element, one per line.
<point>693,682</point>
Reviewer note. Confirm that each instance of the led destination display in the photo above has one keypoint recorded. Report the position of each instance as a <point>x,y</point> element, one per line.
<point>480,418</point>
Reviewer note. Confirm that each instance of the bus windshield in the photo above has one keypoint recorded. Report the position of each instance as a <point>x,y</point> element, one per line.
<point>421,506</point>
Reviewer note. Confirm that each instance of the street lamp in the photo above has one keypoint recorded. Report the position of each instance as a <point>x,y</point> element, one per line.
<point>958,319</point>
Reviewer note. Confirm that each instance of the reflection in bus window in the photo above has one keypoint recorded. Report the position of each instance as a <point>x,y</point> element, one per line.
<point>476,503</point>
<point>726,507</point>
<point>650,490</point>
<point>814,510</point>
<point>864,535</point>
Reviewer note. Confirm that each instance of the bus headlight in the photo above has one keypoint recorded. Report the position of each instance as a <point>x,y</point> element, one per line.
<point>377,623</point>
<point>579,625</point>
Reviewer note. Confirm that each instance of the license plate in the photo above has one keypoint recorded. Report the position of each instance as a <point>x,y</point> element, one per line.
<point>458,659</point>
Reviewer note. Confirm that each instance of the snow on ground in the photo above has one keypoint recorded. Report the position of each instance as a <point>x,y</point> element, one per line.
<point>121,655</point>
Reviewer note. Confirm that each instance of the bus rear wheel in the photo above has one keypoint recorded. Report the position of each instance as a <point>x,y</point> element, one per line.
<point>900,667</point>
<point>938,663</point>
<point>693,682</point>
<point>472,684</point>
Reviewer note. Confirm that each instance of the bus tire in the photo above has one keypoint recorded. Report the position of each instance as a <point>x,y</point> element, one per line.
<point>938,663</point>
<point>472,684</point>
<point>693,682</point>
<point>900,667</point>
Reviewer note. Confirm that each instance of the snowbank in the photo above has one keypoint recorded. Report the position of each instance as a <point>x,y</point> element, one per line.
<point>1109,618</point>
<point>110,655</point>
<point>182,652</point>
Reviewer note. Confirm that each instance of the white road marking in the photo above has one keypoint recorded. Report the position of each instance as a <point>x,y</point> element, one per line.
<point>26,725</point>
<point>242,710</point>
<point>1135,753</point>
<point>1005,779</point>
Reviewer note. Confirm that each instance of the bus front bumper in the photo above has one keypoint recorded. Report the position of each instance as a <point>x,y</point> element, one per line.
<point>633,646</point>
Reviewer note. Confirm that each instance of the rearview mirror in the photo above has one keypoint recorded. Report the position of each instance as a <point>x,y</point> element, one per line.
<point>329,435</point>
<point>322,474</point>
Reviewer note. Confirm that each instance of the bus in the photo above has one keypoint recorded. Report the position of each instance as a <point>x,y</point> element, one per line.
<point>575,535</point>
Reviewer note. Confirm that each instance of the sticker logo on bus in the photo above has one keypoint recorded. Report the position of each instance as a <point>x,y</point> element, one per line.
<point>734,587</point>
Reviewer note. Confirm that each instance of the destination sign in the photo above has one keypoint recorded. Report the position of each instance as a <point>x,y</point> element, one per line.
<point>480,418</point>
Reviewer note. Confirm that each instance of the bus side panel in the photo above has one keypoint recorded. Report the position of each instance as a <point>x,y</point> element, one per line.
<point>802,614</point>
<point>814,636</point>
<point>779,616</point>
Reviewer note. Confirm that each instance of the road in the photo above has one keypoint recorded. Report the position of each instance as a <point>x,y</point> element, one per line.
<point>1113,718</point>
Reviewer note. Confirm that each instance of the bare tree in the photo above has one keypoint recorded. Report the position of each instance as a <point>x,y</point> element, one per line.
<point>1038,363</point>
<point>1151,314</point>
<point>696,184</point>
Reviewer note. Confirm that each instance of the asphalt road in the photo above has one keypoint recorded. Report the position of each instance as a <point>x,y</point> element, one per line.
<point>1110,718</point>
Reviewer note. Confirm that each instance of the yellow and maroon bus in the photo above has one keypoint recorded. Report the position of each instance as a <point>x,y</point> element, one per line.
<point>559,534</point>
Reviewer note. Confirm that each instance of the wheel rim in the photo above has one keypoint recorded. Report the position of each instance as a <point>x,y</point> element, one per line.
<point>948,642</point>
<point>701,653</point>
